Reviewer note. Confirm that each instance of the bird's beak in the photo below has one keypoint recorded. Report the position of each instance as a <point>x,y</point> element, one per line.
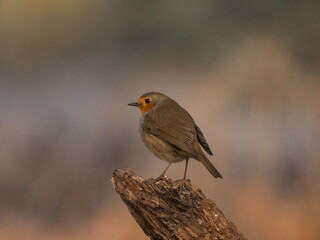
<point>135,104</point>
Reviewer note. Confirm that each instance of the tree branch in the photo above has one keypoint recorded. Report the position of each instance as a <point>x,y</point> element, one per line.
<point>167,209</point>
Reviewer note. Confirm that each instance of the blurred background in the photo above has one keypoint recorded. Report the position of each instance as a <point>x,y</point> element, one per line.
<point>247,71</point>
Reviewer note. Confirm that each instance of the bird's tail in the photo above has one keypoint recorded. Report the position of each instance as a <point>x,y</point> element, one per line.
<point>206,162</point>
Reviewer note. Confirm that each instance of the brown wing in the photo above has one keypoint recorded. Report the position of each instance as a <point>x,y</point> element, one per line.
<point>178,137</point>
<point>202,140</point>
<point>172,124</point>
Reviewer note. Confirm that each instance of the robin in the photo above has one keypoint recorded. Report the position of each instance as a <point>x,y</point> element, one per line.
<point>170,133</point>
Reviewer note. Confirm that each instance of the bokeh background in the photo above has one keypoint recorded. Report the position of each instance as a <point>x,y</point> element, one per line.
<point>247,71</point>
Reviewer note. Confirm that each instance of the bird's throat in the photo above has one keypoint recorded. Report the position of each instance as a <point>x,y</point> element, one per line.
<point>145,109</point>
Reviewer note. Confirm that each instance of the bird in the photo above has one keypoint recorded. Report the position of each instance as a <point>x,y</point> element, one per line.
<point>170,132</point>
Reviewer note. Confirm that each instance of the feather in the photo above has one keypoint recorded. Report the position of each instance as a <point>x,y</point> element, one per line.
<point>202,140</point>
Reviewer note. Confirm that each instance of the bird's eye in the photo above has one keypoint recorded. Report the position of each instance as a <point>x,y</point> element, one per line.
<point>147,100</point>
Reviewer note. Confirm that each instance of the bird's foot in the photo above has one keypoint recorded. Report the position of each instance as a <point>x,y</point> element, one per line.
<point>186,180</point>
<point>161,177</point>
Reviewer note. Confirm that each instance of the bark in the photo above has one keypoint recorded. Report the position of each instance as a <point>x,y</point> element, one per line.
<point>167,209</point>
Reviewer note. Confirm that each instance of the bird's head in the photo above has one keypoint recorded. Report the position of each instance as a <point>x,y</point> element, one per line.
<point>148,101</point>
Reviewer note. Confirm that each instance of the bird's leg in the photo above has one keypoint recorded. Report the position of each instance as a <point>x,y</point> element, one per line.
<point>164,172</point>
<point>185,170</point>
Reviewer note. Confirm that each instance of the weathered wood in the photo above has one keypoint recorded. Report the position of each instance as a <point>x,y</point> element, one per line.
<point>167,209</point>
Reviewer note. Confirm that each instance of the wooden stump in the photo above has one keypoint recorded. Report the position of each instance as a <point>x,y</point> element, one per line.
<point>167,209</point>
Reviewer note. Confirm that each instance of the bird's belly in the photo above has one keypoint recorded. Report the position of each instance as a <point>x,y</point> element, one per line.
<point>161,149</point>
